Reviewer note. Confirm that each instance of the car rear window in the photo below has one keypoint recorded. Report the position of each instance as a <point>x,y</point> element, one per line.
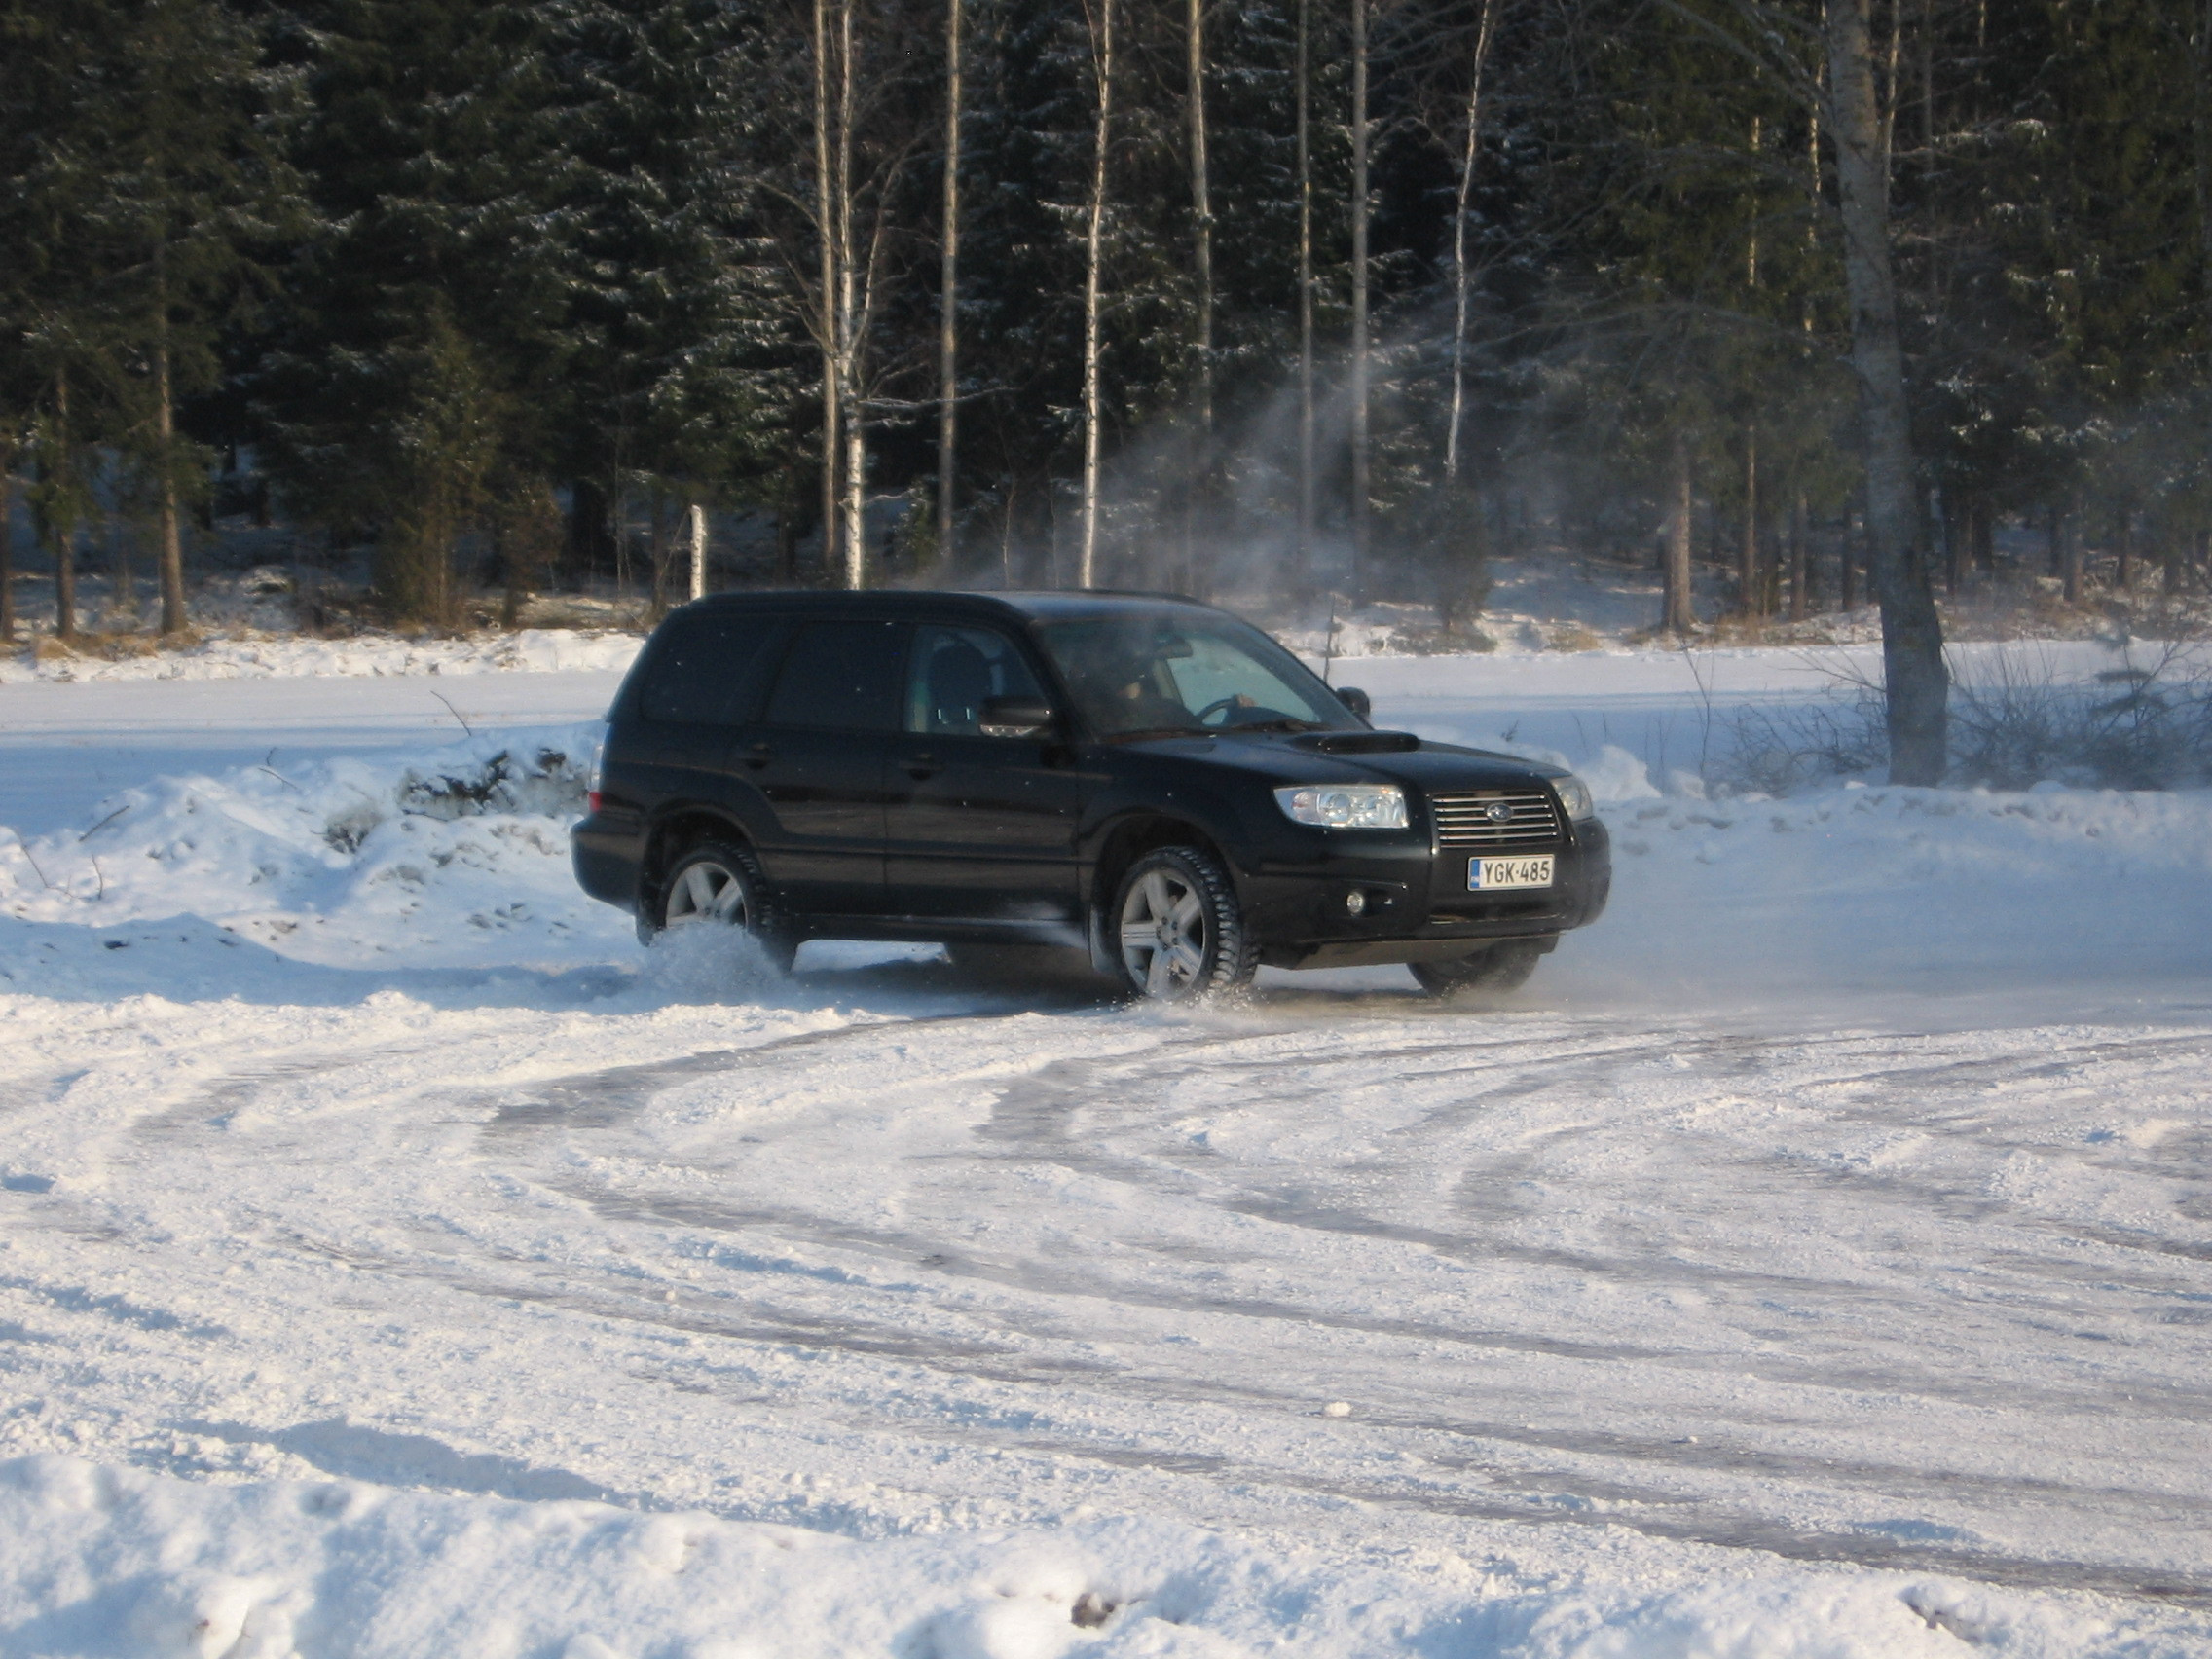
<point>843,676</point>
<point>706,670</point>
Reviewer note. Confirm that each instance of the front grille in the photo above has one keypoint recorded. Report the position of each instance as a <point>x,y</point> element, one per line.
<point>1467,821</point>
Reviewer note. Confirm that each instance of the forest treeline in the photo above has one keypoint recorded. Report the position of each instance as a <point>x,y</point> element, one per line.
<point>1300,293</point>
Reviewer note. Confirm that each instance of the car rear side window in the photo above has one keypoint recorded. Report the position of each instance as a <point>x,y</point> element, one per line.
<point>706,671</point>
<point>955,671</point>
<point>843,675</point>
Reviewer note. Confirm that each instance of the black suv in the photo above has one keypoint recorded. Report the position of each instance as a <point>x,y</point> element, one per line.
<point>1136,775</point>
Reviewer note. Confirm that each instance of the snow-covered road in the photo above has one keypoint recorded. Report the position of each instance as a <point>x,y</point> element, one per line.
<point>1844,1195</point>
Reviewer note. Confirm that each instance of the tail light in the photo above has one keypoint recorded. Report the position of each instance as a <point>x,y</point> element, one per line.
<point>594,772</point>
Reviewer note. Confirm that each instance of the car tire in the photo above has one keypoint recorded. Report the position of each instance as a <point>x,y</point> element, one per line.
<point>718,882</point>
<point>1490,972</point>
<point>1177,929</point>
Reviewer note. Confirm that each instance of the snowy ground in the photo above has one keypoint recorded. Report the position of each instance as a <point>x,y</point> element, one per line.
<point>1815,1258</point>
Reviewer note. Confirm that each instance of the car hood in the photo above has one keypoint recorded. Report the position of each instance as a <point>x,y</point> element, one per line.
<point>1352,757</point>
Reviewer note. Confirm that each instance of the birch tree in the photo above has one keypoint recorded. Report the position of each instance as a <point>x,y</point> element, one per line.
<point>1303,72</point>
<point>948,293</point>
<point>1197,493</point>
<point>1098,14</point>
<point>1362,213</point>
<point>827,314</point>
<point>1461,276</point>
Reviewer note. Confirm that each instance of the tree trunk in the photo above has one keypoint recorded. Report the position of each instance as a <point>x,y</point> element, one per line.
<point>1748,575</point>
<point>1306,431</point>
<point>2200,133</point>
<point>2124,551</point>
<point>1847,566</point>
<point>1954,546</point>
<point>1198,498</point>
<point>849,331</point>
<point>1361,212</point>
<point>61,525</point>
<point>8,544</point>
<point>170,553</point>
<point>2070,552</point>
<point>1917,683</point>
<point>833,345</point>
<point>1460,285</point>
<point>1678,618</point>
<point>948,302</point>
<point>1800,565</point>
<point>698,529</point>
<point>1102,72</point>
<point>656,548</point>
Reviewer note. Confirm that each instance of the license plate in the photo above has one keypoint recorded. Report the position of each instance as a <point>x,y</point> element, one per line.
<point>1488,875</point>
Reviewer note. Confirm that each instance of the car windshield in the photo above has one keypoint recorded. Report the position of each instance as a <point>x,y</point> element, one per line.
<point>1147,673</point>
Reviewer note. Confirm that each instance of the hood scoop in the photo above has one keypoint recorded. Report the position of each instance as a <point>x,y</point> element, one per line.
<point>1360,742</point>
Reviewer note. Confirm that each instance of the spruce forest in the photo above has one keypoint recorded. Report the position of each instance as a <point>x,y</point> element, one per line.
<point>1870,300</point>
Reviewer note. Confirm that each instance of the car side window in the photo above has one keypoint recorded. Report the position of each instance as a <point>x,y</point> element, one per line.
<point>706,671</point>
<point>840,676</point>
<point>953,671</point>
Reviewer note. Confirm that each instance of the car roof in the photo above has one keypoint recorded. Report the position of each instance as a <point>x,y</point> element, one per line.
<point>880,602</point>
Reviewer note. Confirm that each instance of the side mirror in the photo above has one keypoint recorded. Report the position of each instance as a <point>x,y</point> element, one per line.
<point>1014,717</point>
<point>1356,700</point>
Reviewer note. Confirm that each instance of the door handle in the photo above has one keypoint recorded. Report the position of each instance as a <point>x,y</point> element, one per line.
<point>922,767</point>
<point>761,755</point>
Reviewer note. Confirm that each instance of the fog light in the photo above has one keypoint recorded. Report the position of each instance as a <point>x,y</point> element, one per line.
<point>1356,902</point>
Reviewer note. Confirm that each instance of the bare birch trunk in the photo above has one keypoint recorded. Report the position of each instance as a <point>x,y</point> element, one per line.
<point>1361,210</point>
<point>848,319</point>
<point>1679,618</point>
<point>1197,496</point>
<point>1460,287</point>
<point>832,351</point>
<point>1103,70</point>
<point>948,302</point>
<point>698,551</point>
<point>1918,684</point>
<point>1306,432</point>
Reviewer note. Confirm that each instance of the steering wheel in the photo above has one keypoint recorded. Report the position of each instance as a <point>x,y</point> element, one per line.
<point>1220,705</point>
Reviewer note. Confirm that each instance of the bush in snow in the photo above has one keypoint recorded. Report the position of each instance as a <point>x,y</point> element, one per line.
<point>2013,725</point>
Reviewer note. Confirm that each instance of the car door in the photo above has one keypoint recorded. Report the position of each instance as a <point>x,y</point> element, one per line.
<point>816,755</point>
<point>697,688</point>
<point>977,828</point>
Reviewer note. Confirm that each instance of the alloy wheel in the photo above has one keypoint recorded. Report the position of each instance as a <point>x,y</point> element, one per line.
<point>708,892</point>
<point>1165,927</point>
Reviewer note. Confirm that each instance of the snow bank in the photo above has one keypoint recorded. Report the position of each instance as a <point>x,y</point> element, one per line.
<point>455,854</point>
<point>266,656</point>
<point>112,1561</point>
<point>457,857</point>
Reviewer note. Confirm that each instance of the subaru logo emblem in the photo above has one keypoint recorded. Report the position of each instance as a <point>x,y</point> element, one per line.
<point>1497,812</point>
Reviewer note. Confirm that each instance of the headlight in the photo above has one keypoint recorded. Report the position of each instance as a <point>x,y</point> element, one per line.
<point>1345,807</point>
<point>1575,795</point>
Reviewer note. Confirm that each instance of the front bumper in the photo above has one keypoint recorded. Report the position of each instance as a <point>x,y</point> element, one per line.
<point>1418,904</point>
